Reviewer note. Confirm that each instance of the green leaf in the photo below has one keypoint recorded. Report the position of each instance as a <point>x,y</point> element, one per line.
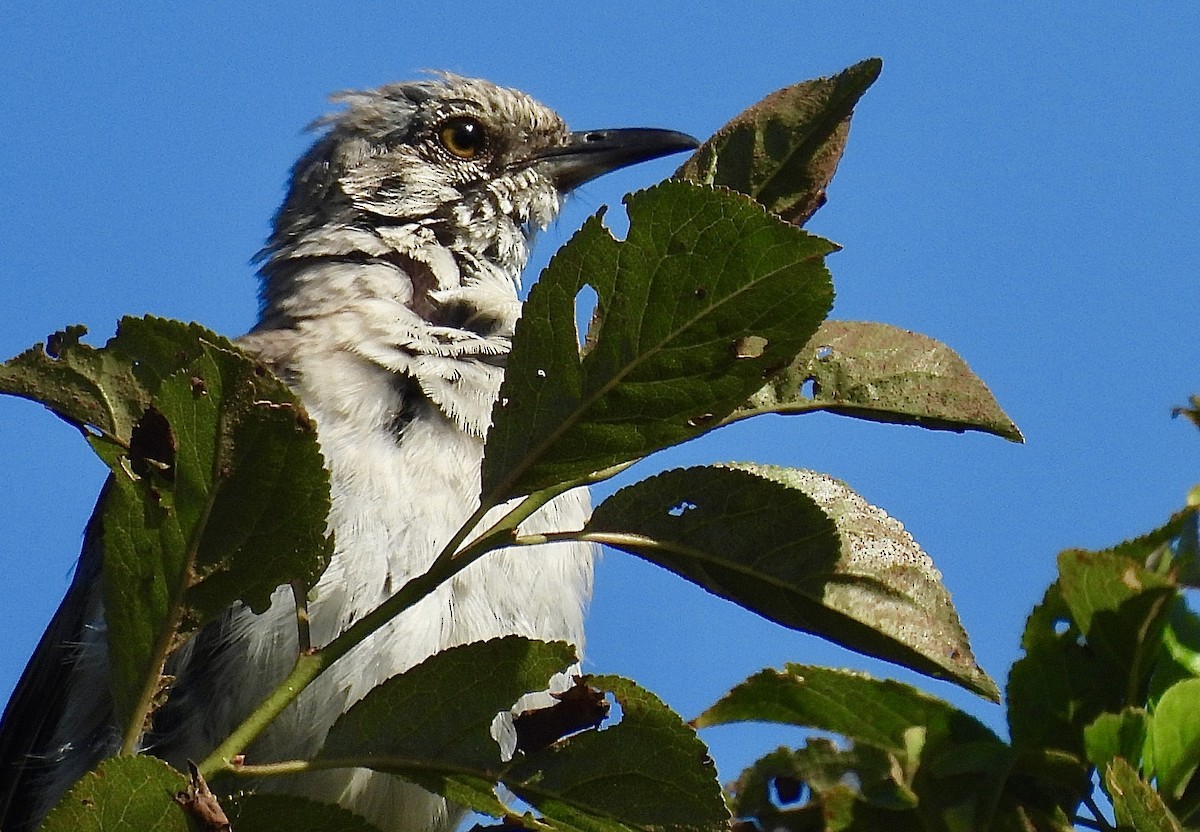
<point>801,549</point>
<point>784,150</point>
<point>1058,686</point>
<point>88,388</point>
<point>1179,656</point>
<point>274,812</point>
<point>778,780</point>
<point>409,718</point>
<point>706,297</point>
<point>880,712</point>
<point>1136,804</point>
<point>883,374</point>
<point>221,497</point>
<point>1116,735</point>
<point>1175,737</point>
<point>1171,549</point>
<point>648,771</point>
<point>1121,610</point>
<point>124,794</point>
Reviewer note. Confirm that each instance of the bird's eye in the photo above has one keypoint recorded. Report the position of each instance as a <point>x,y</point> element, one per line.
<point>463,136</point>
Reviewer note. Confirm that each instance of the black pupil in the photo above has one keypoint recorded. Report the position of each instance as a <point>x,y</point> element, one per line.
<point>466,135</point>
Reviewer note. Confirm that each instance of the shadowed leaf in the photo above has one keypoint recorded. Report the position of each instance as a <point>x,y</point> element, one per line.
<point>648,771</point>
<point>784,150</point>
<point>884,374</point>
<point>801,549</point>
<point>274,812</point>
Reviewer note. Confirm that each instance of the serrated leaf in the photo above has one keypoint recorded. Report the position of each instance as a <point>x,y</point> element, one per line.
<point>1116,735</point>
<point>883,374</point>
<point>1175,737</point>
<point>409,718</point>
<point>1058,686</point>
<point>780,778</point>
<point>649,771</point>
<point>880,712</point>
<point>699,273</point>
<point>784,150</point>
<point>801,549</point>
<point>1120,609</point>
<point>1171,549</point>
<point>275,812</point>
<point>88,388</point>
<point>124,794</point>
<point>222,497</point>
<point>1135,803</point>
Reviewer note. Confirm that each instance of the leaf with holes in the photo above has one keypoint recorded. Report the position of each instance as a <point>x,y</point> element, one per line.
<point>218,491</point>
<point>648,771</point>
<point>706,297</point>
<point>124,794</point>
<point>784,150</point>
<point>883,374</point>
<point>801,549</point>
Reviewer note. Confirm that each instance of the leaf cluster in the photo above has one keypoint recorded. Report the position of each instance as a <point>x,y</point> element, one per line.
<point>713,309</point>
<point>1108,689</point>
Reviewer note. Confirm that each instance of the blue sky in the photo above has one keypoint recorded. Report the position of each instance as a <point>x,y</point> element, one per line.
<point>1021,183</point>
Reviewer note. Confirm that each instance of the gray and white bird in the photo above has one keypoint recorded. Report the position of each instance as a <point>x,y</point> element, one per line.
<point>389,297</point>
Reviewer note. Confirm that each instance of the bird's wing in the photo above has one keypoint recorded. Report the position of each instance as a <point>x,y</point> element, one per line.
<point>39,700</point>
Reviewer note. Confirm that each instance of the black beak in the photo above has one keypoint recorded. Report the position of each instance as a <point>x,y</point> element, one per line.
<point>593,153</point>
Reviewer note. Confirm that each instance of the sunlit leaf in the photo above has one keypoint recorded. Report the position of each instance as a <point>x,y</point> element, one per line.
<point>125,794</point>
<point>701,275</point>
<point>1175,737</point>
<point>876,711</point>
<point>1136,804</point>
<point>884,374</point>
<point>784,150</point>
<point>801,549</point>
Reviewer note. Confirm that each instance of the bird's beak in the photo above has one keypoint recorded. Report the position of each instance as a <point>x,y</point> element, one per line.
<point>591,153</point>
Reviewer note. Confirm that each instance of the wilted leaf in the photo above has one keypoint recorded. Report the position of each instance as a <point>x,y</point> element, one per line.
<point>784,150</point>
<point>1136,804</point>
<point>700,272</point>
<point>801,549</point>
<point>125,794</point>
<point>275,812</point>
<point>647,771</point>
<point>1175,737</point>
<point>884,374</point>
<point>880,712</point>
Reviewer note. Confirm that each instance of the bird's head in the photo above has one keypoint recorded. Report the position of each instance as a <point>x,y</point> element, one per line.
<point>451,175</point>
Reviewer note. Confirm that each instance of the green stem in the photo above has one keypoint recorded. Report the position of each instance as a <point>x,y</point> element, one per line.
<point>312,664</point>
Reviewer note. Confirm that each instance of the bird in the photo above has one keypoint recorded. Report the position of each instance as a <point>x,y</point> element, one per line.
<point>389,295</point>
